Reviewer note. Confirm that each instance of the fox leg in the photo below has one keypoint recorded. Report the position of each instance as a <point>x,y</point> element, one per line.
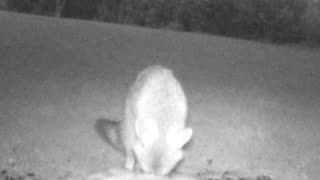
<point>130,160</point>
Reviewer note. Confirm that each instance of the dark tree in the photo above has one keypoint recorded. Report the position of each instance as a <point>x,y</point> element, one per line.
<point>81,9</point>
<point>109,10</point>
<point>59,5</point>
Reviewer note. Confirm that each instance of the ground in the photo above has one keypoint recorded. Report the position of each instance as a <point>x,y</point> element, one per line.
<point>254,107</point>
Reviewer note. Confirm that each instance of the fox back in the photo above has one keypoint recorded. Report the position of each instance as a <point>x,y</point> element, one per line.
<point>154,130</point>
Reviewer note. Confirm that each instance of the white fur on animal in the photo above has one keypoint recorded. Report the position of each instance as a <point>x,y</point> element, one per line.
<point>154,131</point>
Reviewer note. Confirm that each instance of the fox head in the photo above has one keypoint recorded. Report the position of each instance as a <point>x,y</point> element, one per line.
<point>159,155</point>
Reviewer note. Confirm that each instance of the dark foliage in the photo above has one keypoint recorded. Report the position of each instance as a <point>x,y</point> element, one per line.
<point>81,9</point>
<point>273,20</point>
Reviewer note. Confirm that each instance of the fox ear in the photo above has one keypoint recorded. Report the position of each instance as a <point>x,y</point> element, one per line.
<point>177,139</point>
<point>147,131</point>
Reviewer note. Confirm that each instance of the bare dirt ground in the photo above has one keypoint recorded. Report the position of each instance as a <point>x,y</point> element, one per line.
<point>254,107</point>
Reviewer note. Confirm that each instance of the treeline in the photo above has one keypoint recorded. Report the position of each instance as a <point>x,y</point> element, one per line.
<point>274,20</point>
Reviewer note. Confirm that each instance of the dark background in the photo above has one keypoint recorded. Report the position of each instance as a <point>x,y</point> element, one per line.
<point>282,21</point>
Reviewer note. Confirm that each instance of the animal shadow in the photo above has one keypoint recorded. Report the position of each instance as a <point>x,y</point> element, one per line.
<point>110,131</point>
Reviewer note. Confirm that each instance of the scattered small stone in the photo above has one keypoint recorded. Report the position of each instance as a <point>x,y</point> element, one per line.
<point>31,174</point>
<point>207,174</point>
<point>14,175</point>
<point>263,178</point>
<point>209,162</point>
<point>65,176</point>
<point>228,175</point>
<point>4,172</point>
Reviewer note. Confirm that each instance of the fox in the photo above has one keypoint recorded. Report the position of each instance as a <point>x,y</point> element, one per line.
<point>154,129</point>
